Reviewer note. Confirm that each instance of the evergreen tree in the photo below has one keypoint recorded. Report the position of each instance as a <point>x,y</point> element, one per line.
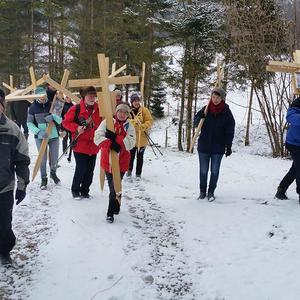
<point>157,100</point>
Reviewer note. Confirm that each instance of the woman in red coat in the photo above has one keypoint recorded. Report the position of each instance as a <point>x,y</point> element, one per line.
<point>82,122</point>
<point>121,141</point>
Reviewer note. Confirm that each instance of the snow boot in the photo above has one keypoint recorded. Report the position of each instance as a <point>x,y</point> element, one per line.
<point>54,177</point>
<point>109,219</point>
<point>280,194</point>
<point>5,259</point>
<point>44,183</point>
<point>202,195</point>
<point>76,195</point>
<point>210,197</point>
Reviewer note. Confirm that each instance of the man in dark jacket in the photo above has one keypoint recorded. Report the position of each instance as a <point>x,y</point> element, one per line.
<point>292,143</point>
<point>14,160</point>
<point>214,141</point>
<point>18,113</point>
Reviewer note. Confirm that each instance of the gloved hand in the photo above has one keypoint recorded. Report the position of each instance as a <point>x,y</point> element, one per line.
<point>115,146</point>
<point>49,118</point>
<point>82,122</point>
<point>20,195</point>
<point>228,152</point>
<point>110,135</point>
<point>42,135</point>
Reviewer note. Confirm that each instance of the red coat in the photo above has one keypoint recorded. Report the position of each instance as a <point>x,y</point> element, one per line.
<point>125,138</point>
<point>85,142</point>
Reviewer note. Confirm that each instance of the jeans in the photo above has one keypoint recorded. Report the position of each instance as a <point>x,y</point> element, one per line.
<point>53,150</point>
<point>215,163</point>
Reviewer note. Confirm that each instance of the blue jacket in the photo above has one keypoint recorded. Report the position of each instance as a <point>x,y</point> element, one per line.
<point>293,132</point>
<point>217,131</point>
<point>36,119</point>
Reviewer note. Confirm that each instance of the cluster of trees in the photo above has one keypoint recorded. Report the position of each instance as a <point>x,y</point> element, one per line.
<point>52,35</point>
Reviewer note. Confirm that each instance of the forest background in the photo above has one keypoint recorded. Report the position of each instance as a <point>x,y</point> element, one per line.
<point>53,35</point>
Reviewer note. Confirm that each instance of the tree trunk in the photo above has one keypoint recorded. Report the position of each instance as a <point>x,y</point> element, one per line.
<point>247,138</point>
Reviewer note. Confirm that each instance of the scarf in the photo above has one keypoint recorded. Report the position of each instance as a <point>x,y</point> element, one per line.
<point>216,109</point>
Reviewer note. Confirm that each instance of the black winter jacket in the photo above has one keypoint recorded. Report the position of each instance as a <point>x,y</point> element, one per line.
<point>217,131</point>
<point>14,156</point>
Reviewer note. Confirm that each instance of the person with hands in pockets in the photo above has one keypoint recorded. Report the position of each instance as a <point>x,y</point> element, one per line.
<point>38,119</point>
<point>121,141</point>
<point>14,160</point>
<point>214,141</point>
<point>142,121</point>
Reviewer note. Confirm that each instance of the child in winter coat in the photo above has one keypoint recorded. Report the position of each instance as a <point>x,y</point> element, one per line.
<point>120,141</point>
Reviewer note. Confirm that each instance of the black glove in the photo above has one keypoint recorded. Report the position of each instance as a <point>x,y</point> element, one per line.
<point>20,195</point>
<point>82,122</point>
<point>228,152</point>
<point>115,146</point>
<point>110,135</point>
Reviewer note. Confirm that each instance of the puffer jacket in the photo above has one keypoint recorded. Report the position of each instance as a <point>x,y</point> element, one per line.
<point>14,156</point>
<point>142,122</point>
<point>125,138</point>
<point>293,133</point>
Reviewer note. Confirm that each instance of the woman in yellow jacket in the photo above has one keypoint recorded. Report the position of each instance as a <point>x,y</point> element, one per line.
<point>142,122</point>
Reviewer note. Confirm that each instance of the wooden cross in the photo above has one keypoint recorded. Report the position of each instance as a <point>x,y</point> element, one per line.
<point>106,107</point>
<point>288,67</point>
<point>218,83</point>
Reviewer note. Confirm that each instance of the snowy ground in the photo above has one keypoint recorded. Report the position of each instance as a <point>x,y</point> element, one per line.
<point>165,244</point>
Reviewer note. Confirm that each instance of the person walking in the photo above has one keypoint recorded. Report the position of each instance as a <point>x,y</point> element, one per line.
<point>14,161</point>
<point>38,119</point>
<point>142,122</point>
<point>121,141</point>
<point>292,143</point>
<point>214,141</point>
<point>82,120</point>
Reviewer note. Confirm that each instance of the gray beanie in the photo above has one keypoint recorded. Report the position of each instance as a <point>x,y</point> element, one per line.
<point>220,92</point>
<point>124,107</point>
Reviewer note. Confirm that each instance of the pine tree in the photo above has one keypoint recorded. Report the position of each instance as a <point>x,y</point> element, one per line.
<point>157,100</point>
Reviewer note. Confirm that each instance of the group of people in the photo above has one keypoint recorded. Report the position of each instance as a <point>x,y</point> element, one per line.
<point>89,135</point>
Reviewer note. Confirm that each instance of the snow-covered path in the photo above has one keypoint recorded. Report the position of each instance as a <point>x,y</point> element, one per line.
<point>165,244</point>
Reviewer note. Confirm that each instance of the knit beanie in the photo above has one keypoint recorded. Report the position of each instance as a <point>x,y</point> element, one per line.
<point>123,106</point>
<point>221,92</point>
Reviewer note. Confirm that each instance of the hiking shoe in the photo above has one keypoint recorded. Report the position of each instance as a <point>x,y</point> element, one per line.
<point>109,219</point>
<point>54,177</point>
<point>202,195</point>
<point>211,197</point>
<point>129,173</point>
<point>280,194</point>
<point>5,259</point>
<point>44,182</point>
<point>76,195</point>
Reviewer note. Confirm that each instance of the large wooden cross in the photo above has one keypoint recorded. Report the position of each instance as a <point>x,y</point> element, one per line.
<point>288,67</point>
<point>106,107</point>
<point>218,83</point>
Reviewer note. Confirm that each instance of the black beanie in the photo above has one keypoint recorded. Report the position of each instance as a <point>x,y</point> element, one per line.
<point>2,98</point>
<point>296,103</point>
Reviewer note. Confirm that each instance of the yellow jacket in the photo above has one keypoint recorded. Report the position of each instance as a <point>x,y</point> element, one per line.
<point>142,122</point>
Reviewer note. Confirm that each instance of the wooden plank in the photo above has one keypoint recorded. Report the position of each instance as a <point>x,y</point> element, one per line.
<point>58,87</point>
<point>30,88</point>
<point>96,82</point>
<point>113,67</point>
<point>284,64</point>
<point>296,56</point>
<point>8,87</point>
<point>282,69</point>
<point>102,178</point>
<point>65,78</point>
<point>11,81</point>
<point>109,121</point>
<point>143,81</point>
<point>116,72</point>
<point>29,98</point>
<point>32,76</point>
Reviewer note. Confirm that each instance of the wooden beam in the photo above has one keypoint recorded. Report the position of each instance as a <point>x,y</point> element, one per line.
<point>143,80</point>
<point>8,87</point>
<point>32,76</point>
<point>282,69</point>
<point>30,98</point>
<point>65,78</point>
<point>60,88</point>
<point>11,81</point>
<point>116,72</point>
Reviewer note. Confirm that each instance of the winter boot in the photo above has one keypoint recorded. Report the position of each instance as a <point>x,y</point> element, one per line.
<point>54,177</point>
<point>44,183</point>
<point>280,194</point>
<point>202,195</point>
<point>109,219</point>
<point>76,195</point>
<point>5,259</point>
<point>210,196</point>
<point>128,174</point>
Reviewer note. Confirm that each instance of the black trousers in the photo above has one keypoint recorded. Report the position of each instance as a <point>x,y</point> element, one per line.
<point>113,206</point>
<point>139,159</point>
<point>7,237</point>
<point>294,171</point>
<point>65,140</point>
<point>84,172</point>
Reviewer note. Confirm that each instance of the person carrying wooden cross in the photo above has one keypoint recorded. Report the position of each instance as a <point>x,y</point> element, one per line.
<point>38,118</point>
<point>214,141</point>
<point>142,122</point>
<point>14,160</point>
<point>121,141</point>
<point>82,120</point>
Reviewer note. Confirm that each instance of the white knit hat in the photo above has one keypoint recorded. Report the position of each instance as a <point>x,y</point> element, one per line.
<point>123,106</point>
